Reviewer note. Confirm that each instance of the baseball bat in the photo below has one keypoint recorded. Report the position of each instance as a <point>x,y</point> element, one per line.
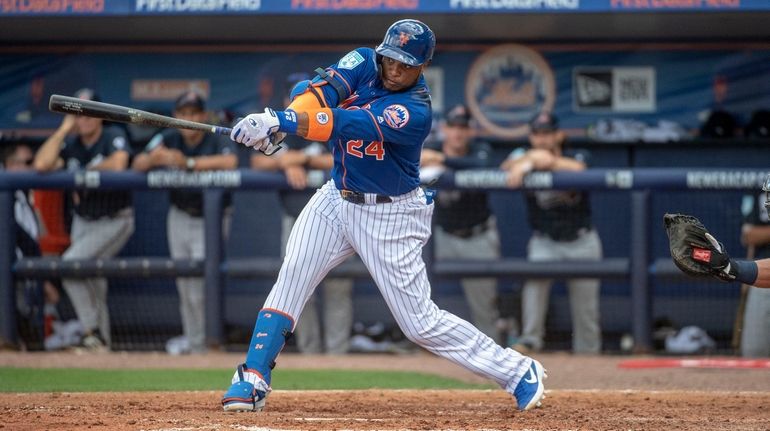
<point>123,114</point>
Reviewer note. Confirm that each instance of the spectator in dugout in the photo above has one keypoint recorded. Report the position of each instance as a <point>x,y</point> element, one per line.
<point>465,226</point>
<point>103,220</point>
<point>562,230</point>
<point>189,150</point>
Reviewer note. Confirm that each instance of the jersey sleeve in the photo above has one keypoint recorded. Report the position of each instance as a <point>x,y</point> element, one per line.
<point>355,67</point>
<point>117,142</point>
<point>387,120</point>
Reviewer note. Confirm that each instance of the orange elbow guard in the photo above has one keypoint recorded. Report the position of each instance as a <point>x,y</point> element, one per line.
<point>320,124</point>
<point>310,100</point>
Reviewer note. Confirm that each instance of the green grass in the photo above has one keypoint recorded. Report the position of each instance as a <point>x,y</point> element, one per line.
<point>91,380</point>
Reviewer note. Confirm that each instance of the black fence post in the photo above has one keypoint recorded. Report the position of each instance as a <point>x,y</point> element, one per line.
<point>212,265</point>
<point>641,292</point>
<point>7,257</point>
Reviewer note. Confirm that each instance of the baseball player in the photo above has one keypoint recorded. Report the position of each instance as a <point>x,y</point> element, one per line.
<point>189,150</point>
<point>562,230</point>
<point>373,108</point>
<point>755,334</point>
<point>696,252</point>
<point>465,225</point>
<point>103,220</point>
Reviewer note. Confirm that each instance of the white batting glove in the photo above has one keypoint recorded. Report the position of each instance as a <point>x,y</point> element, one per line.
<point>262,145</point>
<point>253,130</point>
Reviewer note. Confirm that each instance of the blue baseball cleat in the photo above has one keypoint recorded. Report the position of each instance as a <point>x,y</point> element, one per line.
<point>243,395</point>
<point>530,389</point>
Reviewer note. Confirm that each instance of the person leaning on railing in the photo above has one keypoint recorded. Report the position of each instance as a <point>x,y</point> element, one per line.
<point>562,231</point>
<point>189,150</point>
<point>465,225</point>
<point>103,220</point>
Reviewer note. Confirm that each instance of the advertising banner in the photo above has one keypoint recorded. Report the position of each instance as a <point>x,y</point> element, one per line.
<point>177,7</point>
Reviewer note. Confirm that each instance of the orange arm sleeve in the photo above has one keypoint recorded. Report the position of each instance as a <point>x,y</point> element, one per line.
<point>307,101</point>
<point>320,123</point>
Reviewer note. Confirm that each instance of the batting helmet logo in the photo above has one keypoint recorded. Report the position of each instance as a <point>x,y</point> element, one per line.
<point>403,39</point>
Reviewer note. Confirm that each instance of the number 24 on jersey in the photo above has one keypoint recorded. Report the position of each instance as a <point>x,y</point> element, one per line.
<point>375,148</point>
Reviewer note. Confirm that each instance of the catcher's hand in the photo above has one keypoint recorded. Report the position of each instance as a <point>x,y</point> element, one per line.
<point>695,251</point>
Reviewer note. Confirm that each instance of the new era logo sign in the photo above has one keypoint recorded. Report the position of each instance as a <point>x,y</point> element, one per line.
<point>701,254</point>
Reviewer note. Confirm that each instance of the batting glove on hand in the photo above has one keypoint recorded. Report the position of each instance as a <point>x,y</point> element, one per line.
<point>254,130</point>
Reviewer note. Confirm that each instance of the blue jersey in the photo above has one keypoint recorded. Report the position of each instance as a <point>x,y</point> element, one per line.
<point>378,134</point>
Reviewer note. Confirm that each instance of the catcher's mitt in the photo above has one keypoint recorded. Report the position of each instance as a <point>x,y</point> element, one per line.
<point>695,251</point>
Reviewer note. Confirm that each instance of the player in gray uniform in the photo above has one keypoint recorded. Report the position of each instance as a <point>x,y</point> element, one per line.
<point>103,220</point>
<point>755,337</point>
<point>562,230</point>
<point>465,226</point>
<point>189,150</point>
<point>299,156</point>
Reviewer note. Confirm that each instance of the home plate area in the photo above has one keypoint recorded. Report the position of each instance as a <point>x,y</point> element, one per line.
<point>390,410</point>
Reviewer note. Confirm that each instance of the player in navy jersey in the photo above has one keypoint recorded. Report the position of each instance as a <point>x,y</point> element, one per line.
<point>193,151</point>
<point>103,220</point>
<point>562,230</point>
<point>373,109</point>
<point>465,225</point>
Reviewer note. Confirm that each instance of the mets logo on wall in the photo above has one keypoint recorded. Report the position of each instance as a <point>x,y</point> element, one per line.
<point>396,116</point>
<point>507,86</point>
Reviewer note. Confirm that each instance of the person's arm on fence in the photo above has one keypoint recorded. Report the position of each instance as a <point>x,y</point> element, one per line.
<point>47,157</point>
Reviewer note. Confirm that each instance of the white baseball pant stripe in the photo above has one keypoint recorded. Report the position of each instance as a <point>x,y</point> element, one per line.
<point>389,239</point>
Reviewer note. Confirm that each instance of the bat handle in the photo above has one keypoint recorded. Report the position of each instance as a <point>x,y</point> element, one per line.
<point>221,130</point>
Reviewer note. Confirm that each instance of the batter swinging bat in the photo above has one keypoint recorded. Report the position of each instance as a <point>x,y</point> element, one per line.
<point>123,114</point>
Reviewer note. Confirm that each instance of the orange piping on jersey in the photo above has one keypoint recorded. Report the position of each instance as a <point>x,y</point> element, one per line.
<point>379,131</point>
<point>342,161</point>
<point>320,124</point>
<point>306,102</point>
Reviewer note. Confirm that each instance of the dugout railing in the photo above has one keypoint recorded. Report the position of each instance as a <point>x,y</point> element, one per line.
<point>637,269</point>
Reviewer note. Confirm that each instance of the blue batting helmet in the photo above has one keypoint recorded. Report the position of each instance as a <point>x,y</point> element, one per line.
<point>408,41</point>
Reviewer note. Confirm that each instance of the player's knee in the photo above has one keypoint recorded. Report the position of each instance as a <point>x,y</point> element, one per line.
<point>420,332</point>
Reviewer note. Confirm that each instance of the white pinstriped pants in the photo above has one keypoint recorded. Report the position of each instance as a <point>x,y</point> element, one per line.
<point>389,239</point>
